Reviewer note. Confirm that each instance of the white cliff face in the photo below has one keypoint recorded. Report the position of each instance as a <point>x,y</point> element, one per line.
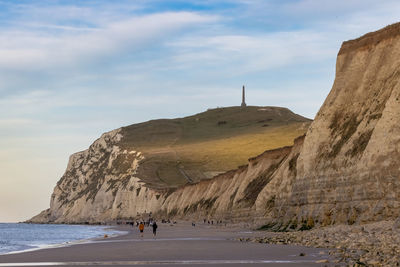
<point>345,170</point>
<point>348,169</point>
<point>100,184</point>
<point>231,195</point>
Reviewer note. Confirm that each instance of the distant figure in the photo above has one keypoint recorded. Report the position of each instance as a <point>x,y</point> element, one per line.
<point>204,221</point>
<point>154,228</point>
<point>141,228</point>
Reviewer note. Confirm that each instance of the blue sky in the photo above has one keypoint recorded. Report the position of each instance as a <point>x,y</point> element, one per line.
<point>71,70</point>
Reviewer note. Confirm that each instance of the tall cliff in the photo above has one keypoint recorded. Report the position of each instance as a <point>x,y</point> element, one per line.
<point>132,170</point>
<point>100,184</point>
<point>346,169</point>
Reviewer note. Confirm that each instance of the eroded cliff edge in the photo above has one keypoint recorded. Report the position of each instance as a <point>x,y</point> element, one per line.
<point>345,170</point>
<point>100,185</point>
<point>132,170</point>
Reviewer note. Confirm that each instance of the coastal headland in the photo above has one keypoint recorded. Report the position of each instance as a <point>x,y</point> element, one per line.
<point>336,186</point>
<point>343,170</point>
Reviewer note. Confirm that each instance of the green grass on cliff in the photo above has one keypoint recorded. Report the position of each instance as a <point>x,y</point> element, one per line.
<point>198,147</point>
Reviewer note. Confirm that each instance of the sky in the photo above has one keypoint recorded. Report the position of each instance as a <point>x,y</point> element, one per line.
<point>72,70</point>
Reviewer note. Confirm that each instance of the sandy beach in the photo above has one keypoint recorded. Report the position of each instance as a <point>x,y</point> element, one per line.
<point>175,245</point>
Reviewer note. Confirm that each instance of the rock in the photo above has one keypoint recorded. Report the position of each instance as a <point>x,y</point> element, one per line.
<point>396,224</point>
<point>359,264</point>
<point>374,263</point>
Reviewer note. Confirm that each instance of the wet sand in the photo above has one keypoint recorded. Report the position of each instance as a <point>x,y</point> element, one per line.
<point>175,245</point>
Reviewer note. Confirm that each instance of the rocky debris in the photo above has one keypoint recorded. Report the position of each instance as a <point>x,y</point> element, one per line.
<point>396,224</point>
<point>375,244</point>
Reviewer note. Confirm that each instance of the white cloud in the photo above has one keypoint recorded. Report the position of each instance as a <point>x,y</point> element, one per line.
<point>239,54</point>
<point>27,50</point>
<point>16,122</point>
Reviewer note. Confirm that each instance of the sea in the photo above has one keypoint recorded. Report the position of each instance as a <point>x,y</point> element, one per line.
<point>18,237</point>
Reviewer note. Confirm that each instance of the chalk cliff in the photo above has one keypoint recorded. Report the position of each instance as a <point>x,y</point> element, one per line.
<point>99,185</point>
<point>132,170</point>
<point>346,169</point>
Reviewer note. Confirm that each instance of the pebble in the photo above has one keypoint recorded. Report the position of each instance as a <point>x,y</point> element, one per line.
<point>374,244</point>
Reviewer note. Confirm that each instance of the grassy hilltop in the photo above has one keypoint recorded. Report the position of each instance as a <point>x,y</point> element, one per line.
<point>178,151</point>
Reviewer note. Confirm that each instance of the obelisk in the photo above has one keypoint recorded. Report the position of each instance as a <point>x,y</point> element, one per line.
<point>243,98</point>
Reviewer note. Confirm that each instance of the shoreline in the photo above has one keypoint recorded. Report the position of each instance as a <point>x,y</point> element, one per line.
<point>180,244</point>
<point>114,228</point>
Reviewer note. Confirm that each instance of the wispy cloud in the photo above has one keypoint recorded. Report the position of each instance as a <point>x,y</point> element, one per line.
<point>241,54</point>
<point>26,50</point>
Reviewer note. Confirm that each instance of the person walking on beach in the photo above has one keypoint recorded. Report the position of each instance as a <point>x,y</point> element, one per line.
<point>154,228</point>
<point>141,228</point>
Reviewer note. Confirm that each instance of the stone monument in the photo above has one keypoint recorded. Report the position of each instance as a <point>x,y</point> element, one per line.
<point>243,98</point>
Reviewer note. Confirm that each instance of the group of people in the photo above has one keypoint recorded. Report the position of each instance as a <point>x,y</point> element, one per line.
<point>140,224</point>
<point>153,224</point>
<point>212,221</point>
